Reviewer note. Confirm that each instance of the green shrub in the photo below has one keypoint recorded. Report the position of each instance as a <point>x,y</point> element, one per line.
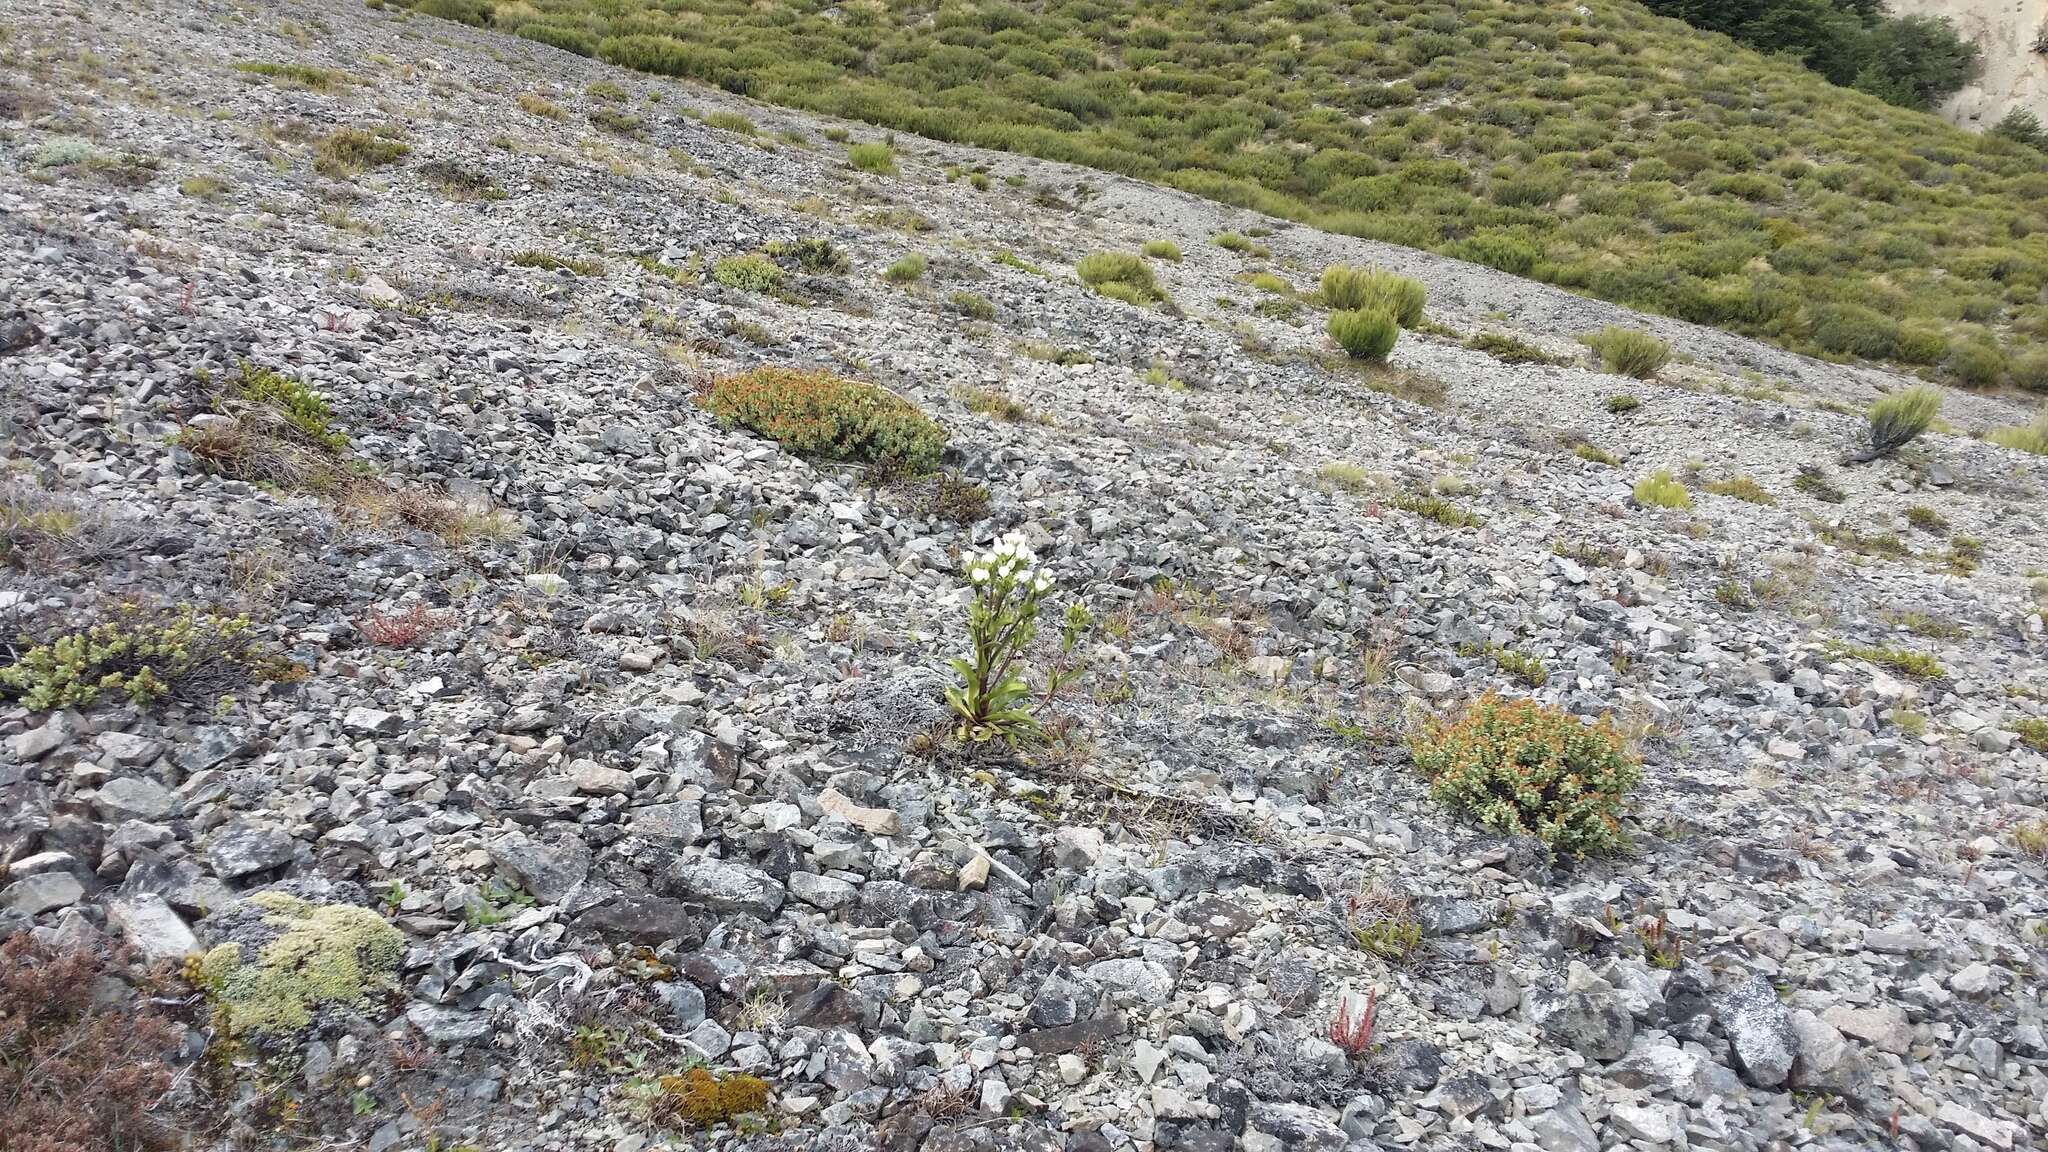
<point>812,254</point>
<point>817,414</point>
<point>303,75</point>
<point>1895,420</point>
<point>1853,330</point>
<point>1904,661</point>
<point>1726,188</point>
<point>1523,769</point>
<point>1812,481</point>
<point>1622,403</point>
<point>1347,289</point>
<point>551,262</point>
<point>1660,490</point>
<point>752,273</point>
<point>1628,352</point>
<point>1364,335</point>
<point>1232,242</point>
<point>1163,250</point>
<point>1120,276</point>
<point>731,122</point>
<point>877,158</point>
<point>143,656</point>
<point>347,151</point>
<point>973,306</point>
<point>1975,363</point>
<point>2025,438</point>
<point>1508,349</point>
<point>907,269</point>
<point>1742,488</point>
<point>2030,371</point>
<point>303,409</point>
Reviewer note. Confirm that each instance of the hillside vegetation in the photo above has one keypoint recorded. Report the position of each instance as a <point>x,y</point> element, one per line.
<point>1617,153</point>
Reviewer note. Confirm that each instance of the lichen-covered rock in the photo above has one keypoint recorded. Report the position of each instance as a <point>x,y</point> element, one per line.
<point>311,957</point>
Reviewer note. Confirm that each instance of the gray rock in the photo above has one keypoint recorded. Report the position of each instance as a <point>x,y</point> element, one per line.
<point>684,1001</point>
<point>1826,1061</point>
<point>371,722</point>
<point>1147,981</point>
<point>443,1025</point>
<point>645,919</point>
<point>247,847</point>
<point>725,886</point>
<point>1564,1129</point>
<point>1591,1023</point>
<point>550,866</point>
<point>1883,1026</point>
<point>151,926</point>
<point>680,823</point>
<point>1760,1031</point>
<point>1666,1070</point>
<point>1297,1127</point>
<point>37,743</point>
<point>133,798</point>
<point>826,892</point>
<point>42,892</point>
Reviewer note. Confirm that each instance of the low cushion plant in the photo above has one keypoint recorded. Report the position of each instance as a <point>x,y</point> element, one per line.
<point>1525,769</point>
<point>820,415</point>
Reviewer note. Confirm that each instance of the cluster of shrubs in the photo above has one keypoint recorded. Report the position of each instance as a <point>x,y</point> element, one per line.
<point>1759,198</point>
<point>1368,309</point>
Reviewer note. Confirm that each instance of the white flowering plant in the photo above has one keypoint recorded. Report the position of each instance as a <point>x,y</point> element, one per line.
<point>994,702</point>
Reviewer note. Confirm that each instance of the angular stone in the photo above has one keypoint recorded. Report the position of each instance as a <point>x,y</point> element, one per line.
<point>830,1005</point>
<point>550,866</point>
<point>1146,980</point>
<point>680,823</point>
<point>725,886</point>
<point>248,847</point>
<point>594,779</point>
<point>1883,1027</point>
<point>1591,1023</point>
<point>151,926</point>
<point>873,821</point>
<point>1759,1029</point>
<point>1826,1062</point>
<point>42,892</point>
<point>1072,1037</point>
<point>2000,1134</point>
<point>1298,1127</point>
<point>448,1025</point>
<point>209,747</point>
<point>1651,1124</point>
<point>1675,1072</point>
<point>133,798</point>
<point>826,892</point>
<point>1564,1129</point>
<point>645,919</point>
<point>372,722</point>
<point>128,749</point>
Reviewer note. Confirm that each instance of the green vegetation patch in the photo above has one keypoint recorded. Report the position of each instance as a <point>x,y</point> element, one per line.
<point>325,955</point>
<point>823,416</point>
<point>1119,276</point>
<point>303,75</point>
<point>1524,769</point>
<point>1593,146</point>
<point>1627,352</point>
<point>143,656</point>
